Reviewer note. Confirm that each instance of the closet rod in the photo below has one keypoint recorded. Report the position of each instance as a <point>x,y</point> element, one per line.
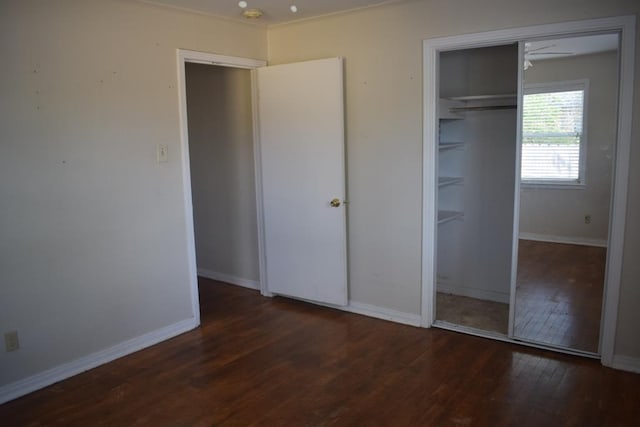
<point>482,108</point>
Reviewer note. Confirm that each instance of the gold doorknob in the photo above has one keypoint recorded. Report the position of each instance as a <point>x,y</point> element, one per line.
<point>335,203</point>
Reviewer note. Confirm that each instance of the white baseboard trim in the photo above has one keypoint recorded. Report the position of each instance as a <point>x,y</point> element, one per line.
<point>626,363</point>
<point>245,283</point>
<point>582,241</point>
<point>51,376</point>
<point>369,310</point>
<point>474,293</point>
<point>382,313</point>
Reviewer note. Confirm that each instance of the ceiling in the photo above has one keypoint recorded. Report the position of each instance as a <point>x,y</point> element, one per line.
<point>571,46</point>
<point>275,11</point>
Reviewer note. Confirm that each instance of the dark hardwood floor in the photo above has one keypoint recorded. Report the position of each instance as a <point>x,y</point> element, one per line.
<point>559,294</point>
<point>261,361</point>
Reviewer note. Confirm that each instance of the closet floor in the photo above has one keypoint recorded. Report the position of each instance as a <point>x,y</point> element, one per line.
<point>475,313</point>
<point>559,294</point>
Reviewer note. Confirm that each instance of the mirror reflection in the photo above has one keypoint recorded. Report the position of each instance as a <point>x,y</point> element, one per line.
<point>568,143</point>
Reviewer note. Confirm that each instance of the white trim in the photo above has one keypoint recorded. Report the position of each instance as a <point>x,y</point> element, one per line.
<point>184,56</point>
<point>552,185</point>
<point>382,313</point>
<point>558,86</point>
<point>482,294</point>
<point>367,310</point>
<point>500,337</point>
<point>219,60</point>
<point>186,184</point>
<point>233,280</point>
<point>257,156</point>
<point>429,183</point>
<point>626,26</point>
<point>626,363</point>
<point>43,379</point>
<point>617,219</point>
<point>514,35</point>
<point>582,241</point>
<point>513,278</point>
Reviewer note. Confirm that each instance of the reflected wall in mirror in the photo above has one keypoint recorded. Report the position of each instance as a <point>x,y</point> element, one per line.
<point>568,144</point>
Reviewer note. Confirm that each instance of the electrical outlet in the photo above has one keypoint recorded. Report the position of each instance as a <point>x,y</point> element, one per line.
<point>11,342</point>
<point>587,219</point>
<point>163,153</point>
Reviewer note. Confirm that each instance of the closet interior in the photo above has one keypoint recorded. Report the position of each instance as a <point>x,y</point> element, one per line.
<point>476,163</point>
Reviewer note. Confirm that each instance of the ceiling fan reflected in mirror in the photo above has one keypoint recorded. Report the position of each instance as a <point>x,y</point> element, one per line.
<point>532,52</point>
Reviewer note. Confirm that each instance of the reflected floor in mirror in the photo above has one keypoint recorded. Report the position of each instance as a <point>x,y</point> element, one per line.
<point>559,294</point>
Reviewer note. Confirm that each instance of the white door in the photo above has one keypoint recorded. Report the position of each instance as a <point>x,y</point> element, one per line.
<point>301,116</point>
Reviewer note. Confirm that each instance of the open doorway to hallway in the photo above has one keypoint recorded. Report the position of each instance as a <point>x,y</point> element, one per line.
<point>221,156</point>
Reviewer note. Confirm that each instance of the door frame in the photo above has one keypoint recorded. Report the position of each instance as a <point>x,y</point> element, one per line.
<point>184,56</point>
<point>625,25</point>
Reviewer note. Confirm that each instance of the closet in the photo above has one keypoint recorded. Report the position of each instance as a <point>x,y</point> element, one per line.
<point>521,256</point>
<point>476,171</point>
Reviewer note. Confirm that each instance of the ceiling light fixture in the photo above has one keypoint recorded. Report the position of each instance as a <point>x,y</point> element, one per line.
<point>252,13</point>
<point>242,4</point>
<point>293,8</point>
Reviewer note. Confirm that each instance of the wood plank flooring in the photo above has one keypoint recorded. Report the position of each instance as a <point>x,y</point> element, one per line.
<point>558,298</point>
<point>261,361</point>
<point>559,294</point>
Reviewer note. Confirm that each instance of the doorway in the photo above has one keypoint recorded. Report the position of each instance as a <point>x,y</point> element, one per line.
<point>300,212</point>
<point>216,76</point>
<point>624,26</point>
<point>220,126</point>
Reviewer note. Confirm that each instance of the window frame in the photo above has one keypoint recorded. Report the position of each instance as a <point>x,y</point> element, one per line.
<point>562,86</point>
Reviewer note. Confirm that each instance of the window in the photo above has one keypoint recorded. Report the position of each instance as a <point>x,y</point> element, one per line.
<point>553,137</point>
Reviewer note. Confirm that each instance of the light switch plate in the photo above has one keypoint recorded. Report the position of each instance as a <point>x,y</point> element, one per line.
<point>11,342</point>
<point>163,153</point>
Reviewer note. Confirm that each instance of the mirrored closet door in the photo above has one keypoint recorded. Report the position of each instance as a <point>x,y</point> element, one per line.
<point>569,118</point>
<point>523,220</point>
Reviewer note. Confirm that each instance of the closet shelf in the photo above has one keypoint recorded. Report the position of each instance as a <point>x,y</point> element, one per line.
<point>444,181</point>
<point>483,108</point>
<point>481,97</point>
<point>445,110</point>
<point>446,216</point>
<point>450,145</point>
<point>453,105</point>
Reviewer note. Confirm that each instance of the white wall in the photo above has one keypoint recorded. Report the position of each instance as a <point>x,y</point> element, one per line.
<point>382,48</point>
<point>93,238</point>
<point>222,171</point>
<point>560,212</point>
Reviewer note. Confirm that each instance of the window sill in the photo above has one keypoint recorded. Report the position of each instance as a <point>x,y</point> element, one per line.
<point>552,185</point>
